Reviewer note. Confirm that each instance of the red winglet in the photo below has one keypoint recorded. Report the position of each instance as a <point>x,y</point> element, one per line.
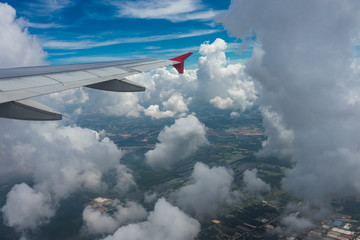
<point>180,66</point>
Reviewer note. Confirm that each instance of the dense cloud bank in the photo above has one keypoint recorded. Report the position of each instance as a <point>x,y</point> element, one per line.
<point>304,61</point>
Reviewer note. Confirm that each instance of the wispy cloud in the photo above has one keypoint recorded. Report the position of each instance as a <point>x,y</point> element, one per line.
<point>154,51</point>
<point>62,53</point>
<point>25,23</point>
<point>152,47</point>
<point>86,44</point>
<point>48,7</point>
<point>72,45</point>
<point>173,51</point>
<point>176,11</point>
<point>85,59</point>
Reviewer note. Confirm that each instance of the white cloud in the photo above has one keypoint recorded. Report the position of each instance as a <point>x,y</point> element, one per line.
<point>47,7</point>
<point>169,94</point>
<point>297,224</point>
<point>152,9</point>
<point>164,88</point>
<point>177,142</point>
<point>176,103</point>
<point>58,160</point>
<point>308,82</point>
<point>154,112</point>
<point>279,138</point>
<point>235,114</point>
<point>71,96</point>
<point>182,10</point>
<point>18,48</point>
<point>91,43</point>
<point>96,222</point>
<point>125,179</point>
<point>74,45</point>
<point>113,103</point>
<point>175,106</point>
<point>209,189</point>
<point>253,184</point>
<point>150,197</point>
<point>165,222</point>
<point>222,103</point>
<point>25,23</point>
<point>26,209</point>
<point>223,85</point>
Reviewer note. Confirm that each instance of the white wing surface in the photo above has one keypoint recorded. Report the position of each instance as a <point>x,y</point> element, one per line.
<point>18,85</point>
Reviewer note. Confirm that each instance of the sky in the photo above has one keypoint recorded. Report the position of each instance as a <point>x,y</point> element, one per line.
<point>294,60</point>
<point>91,30</point>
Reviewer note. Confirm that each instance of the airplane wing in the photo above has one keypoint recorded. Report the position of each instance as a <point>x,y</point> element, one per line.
<point>19,85</point>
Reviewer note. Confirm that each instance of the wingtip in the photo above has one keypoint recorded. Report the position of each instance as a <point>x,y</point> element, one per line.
<point>181,59</point>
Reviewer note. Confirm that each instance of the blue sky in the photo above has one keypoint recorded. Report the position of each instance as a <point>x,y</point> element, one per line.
<point>91,30</point>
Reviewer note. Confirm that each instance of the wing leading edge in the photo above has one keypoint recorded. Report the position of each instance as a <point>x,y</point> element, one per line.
<point>18,85</point>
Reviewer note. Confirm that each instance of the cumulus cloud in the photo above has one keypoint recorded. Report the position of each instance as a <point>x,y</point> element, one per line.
<point>177,142</point>
<point>294,223</point>
<point>209,189</point>
<point>154,112</point>
<point>59,160</point>
<point>169,94</point>
<point>165,222</point>
<point>114,104</point>
<point>26,209</point>
<point>150,197</point>
<point>72,96</point>
<point>253,184</point>
<point>309,83</point>
<point>279,138</point>
<point>124,178</point>
<point>176,105</point>
<point>18,48</point>
<point>96,222</point>
<point>222,103</point>
<point>223,85</point>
